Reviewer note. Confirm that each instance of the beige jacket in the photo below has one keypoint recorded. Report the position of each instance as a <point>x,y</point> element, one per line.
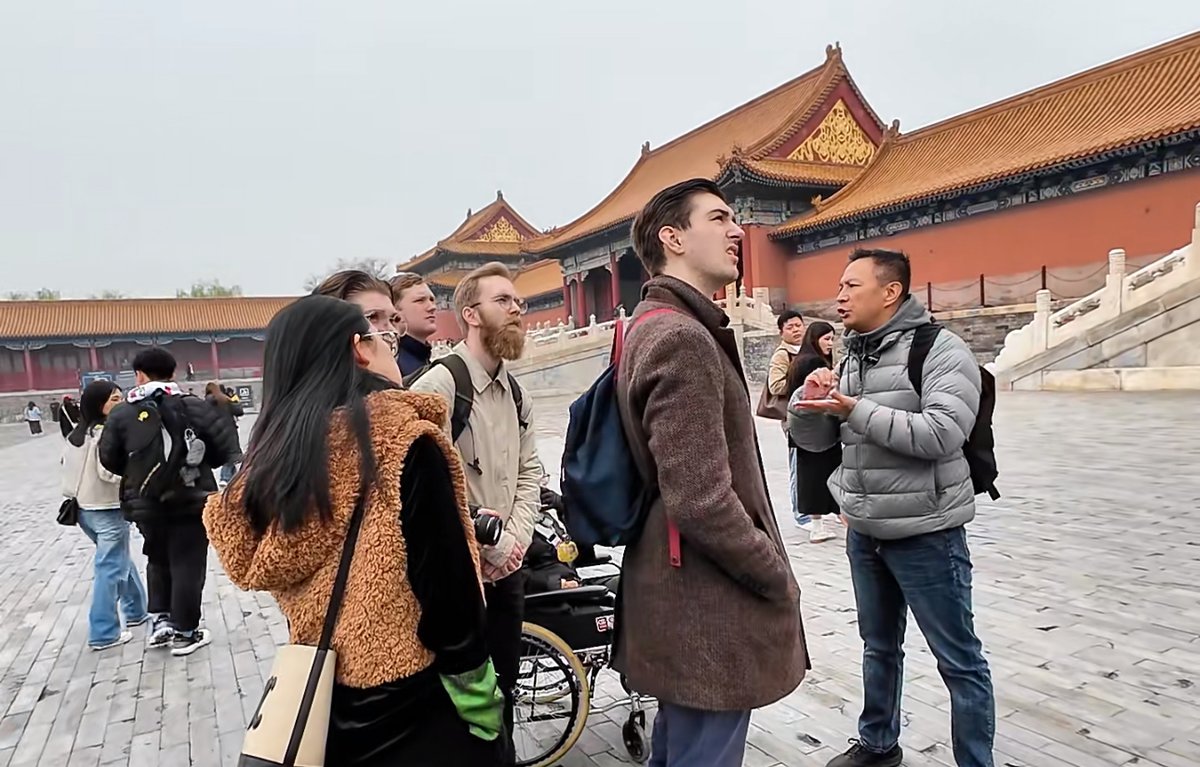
<point>499,457</point>
<point>85,479</point>
<point>777,371</point>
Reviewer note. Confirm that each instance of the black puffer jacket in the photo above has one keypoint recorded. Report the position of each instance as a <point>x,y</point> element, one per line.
<point>125,437</point>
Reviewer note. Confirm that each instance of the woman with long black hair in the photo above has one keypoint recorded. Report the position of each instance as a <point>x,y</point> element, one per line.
<point>414,683</point>
<point>814,466</point>
<point>97,491</point>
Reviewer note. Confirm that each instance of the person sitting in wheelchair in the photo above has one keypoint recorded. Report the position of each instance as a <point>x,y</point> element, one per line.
<point>552,559</point>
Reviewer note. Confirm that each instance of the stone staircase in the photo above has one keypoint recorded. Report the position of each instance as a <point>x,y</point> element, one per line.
<point>1140,332</point>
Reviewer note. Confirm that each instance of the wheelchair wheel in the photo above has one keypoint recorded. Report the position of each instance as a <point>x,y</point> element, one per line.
<point>634,736</point>
<point>552,698</point>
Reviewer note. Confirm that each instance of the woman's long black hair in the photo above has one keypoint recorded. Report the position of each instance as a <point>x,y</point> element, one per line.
<point>91,409</point>
<point>810,356</point>
<point>309,370</point>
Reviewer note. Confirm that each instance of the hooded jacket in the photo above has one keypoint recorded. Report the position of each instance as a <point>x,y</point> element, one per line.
<point>903,471</point>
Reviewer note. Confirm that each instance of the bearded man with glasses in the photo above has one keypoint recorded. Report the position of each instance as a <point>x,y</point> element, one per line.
<point>498,448</point>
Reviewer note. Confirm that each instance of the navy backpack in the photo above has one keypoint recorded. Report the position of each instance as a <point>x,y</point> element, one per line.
<point>605,493</point>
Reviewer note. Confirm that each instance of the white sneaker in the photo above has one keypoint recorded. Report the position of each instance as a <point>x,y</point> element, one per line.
<point>820,532</point>
<point>122,639</point>
<point>161,631</point>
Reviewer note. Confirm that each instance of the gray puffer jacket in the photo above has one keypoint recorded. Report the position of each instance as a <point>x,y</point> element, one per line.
<point>903,472</point>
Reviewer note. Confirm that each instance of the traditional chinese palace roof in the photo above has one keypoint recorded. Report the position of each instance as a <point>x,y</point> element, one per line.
<point>786,133</point>
<point>139,317</point>
<point>1112,108</point>
<point>495,233</point>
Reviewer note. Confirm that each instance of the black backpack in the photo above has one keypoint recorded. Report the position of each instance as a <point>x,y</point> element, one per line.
<point>980,447</point>
<point>152,475</point>
<point>464,393</point>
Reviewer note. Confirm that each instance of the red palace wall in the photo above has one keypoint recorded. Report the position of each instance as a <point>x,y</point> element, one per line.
<point>1146,218</point>
<point>549,316</point>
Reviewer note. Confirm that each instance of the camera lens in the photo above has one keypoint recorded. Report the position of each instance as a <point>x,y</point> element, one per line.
<point>488,529</point>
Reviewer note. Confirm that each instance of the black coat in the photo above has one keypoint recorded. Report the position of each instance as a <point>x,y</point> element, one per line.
<point>814,469</point>
<point>210,425</point>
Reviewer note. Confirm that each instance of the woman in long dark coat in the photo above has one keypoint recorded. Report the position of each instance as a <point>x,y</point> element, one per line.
<point>814,468</point>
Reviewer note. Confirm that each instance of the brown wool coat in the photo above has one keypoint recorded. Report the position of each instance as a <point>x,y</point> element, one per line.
<point>376,635</point>
<point>722,632</point>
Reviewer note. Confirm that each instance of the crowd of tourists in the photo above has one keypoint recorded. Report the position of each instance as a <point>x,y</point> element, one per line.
<point>390,503</point>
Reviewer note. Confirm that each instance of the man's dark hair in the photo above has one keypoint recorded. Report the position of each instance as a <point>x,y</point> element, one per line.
<point>786,316</point>
<point>349,282</point>
<point>157,363</point>
<point>670,207</point>
<point>890,266</point>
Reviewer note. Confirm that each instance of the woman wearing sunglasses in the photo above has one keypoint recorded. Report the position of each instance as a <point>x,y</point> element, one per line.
<point>414,683</point>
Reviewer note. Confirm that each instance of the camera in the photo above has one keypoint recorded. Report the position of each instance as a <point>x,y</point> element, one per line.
<point>488,527</point>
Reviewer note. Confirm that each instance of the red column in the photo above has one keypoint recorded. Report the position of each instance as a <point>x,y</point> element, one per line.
<point>93,357</point>
<point>28,369</point>
<point>580,301</point>
<point>614,285</point>
<point>216,361</point>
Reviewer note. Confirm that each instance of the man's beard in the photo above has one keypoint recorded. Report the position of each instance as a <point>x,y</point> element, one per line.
<point>505,341</point>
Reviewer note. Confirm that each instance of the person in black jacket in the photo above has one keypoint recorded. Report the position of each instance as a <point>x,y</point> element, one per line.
<point>164,445</point>
<point>215,395</point>
<point>814,467</point>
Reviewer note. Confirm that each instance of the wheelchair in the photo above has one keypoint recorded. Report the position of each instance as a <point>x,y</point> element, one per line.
<point>566,643</point>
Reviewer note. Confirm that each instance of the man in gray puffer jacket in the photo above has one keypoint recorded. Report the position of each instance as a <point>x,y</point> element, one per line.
<point>905,491</point>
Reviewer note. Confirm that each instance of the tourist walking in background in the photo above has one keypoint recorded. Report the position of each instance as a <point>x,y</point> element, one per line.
<point>164,445</point>
<point>779,386</point>
<point>905,490</point>
<point>418,309</point>
<point>216,396</point>
<point>115,579</point>
<point>709,618</point>
<point>414,685</point>
<point>814,463</point>
<point>68,415</point>
<point>33,417</point>
<point>498,444</point>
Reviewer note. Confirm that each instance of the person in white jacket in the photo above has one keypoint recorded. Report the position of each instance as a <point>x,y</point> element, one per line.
<point>97,490</point>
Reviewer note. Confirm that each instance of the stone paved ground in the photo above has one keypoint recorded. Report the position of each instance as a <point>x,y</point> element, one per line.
<point>1087,583</point>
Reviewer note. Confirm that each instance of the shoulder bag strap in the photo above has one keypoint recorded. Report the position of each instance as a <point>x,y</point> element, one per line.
<point>343,573</point>
<point>331,616</point>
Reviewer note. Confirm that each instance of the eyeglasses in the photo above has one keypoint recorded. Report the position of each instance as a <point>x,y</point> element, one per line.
<point>380,320</point>
<point>507,303</point>
<point>389,337</point>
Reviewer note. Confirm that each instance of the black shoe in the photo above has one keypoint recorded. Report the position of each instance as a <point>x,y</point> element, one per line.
<point>186,644</point>
<point>859,756</point>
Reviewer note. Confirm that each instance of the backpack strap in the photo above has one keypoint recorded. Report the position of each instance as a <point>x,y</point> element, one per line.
<point>518,400</point>
<point>674,543</point>
<point>464,393</point>
<point>922,344</point>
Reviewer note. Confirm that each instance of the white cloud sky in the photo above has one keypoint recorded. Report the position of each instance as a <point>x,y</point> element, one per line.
<point>145,145</point>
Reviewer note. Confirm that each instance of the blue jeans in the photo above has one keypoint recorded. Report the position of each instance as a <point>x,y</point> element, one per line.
<point>931,574</point>
<point>689,737</point>
<point>227,472</point>
<point>793,466</point>
<point>116,578</point>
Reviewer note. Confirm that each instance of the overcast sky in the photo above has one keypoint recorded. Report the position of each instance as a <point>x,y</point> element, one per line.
<point>146,144</point>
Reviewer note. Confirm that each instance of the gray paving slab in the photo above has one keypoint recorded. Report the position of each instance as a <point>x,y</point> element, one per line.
<point>1087,591</point>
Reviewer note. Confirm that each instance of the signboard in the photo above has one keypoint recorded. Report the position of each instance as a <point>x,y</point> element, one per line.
<point>94,375</point>
<point>246,395</point>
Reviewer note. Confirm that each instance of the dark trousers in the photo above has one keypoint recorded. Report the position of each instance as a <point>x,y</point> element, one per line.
<point>176,550</point>
<point>505,613</point>
<point>931,574</point>
<point>689,737</point>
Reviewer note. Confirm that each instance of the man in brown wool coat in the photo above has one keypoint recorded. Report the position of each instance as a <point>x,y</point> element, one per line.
<point>710,616</point>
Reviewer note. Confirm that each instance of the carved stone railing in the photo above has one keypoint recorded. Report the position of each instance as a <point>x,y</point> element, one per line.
<point>753,311</point>
<point>1121,292</point>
